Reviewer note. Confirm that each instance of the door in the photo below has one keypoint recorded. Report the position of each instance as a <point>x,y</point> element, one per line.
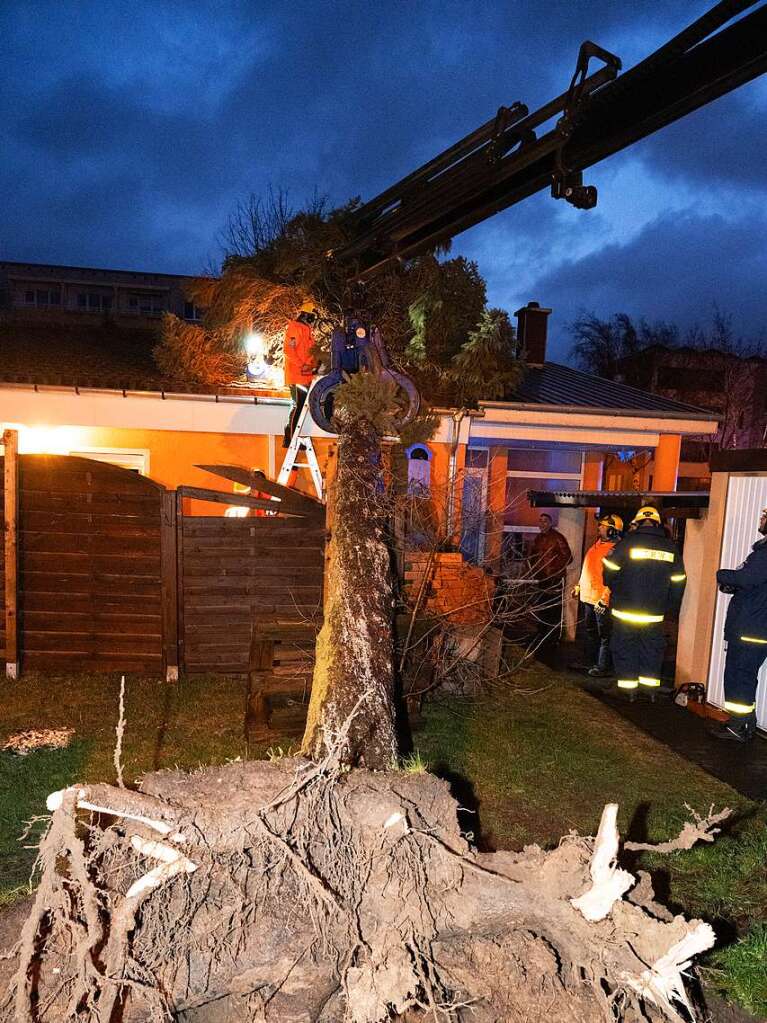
<point>474,505</point>
<point>746,496</point>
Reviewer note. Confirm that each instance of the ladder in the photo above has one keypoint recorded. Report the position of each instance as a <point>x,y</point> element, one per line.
<point>300,440</point>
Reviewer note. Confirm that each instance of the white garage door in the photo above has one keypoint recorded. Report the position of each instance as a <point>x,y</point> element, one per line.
<point>746,496</point>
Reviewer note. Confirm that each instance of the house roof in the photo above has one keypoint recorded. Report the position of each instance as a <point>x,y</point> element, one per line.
<point>90,356</point>
<point>108,356</point>
<point>553,384</point>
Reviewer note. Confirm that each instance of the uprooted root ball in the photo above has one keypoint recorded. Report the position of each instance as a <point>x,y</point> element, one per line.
<point>299,892</point>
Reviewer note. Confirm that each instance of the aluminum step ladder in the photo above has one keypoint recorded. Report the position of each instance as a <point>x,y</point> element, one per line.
<point>300,440</point>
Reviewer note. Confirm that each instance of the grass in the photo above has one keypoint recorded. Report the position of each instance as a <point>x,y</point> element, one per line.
<point>527,768</point>
<point>542,765</point>
<point>200,721</point>
<point>739,971</point>
<point>530,768</point>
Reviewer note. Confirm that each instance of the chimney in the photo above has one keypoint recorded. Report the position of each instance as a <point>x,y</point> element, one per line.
<point>532,328</point>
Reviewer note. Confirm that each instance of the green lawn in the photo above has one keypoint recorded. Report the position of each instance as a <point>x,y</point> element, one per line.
<point>198,722</point>
<point>533,766</point>
<point>536,766</point>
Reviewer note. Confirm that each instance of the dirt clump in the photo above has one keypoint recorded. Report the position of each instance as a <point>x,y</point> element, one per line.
<point>296,891</point>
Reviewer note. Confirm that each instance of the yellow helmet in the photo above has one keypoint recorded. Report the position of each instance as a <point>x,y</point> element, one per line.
<point>647,513</point>
<point>308,307</point>
<point>613,521</point>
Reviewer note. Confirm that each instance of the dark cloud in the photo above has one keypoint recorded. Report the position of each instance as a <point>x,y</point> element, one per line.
<point>129,131</point>
<point>676,270</point>
<point>724,143</point>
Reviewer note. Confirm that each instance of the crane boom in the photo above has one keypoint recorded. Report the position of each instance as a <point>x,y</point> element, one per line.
<point>601,113</point>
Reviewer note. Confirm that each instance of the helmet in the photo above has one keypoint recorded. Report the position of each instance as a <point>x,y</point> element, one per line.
<point>308,307</point>
<point>615,522</point>
<point>647,514</point>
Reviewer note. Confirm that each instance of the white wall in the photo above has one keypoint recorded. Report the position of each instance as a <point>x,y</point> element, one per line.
<point>746,496</point>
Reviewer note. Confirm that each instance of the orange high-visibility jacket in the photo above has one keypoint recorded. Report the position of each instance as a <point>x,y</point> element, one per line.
<point>591,583</point>
<point>297,348</point>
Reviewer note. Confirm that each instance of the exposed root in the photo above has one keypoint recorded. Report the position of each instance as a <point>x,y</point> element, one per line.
<point>700,829</point>
<point>294,890</point>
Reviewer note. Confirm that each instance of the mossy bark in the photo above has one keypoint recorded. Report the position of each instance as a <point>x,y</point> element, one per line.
<point>354,673</point>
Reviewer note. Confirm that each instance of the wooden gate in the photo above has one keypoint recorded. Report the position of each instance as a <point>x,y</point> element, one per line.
<point>88,587</point>
<point>103,572</point>
<point>246,580</point>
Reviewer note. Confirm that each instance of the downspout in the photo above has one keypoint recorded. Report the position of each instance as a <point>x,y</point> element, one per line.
<point>455,427</point>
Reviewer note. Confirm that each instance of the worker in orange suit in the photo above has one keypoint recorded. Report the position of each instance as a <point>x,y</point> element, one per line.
<point>299,364</point>
<point>594,596</point>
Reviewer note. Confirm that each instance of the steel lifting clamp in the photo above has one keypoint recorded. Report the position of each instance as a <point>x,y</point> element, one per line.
<point>354,348</point>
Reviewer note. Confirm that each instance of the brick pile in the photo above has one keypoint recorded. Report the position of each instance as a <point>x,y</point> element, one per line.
<point>453,587</point>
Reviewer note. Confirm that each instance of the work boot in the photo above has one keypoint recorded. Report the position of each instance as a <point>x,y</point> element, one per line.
<point>735,729</point>
<point>597,672</point>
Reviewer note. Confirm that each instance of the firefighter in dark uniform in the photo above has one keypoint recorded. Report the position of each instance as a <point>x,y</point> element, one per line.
<point>745,632</point>
<point>646,578</point>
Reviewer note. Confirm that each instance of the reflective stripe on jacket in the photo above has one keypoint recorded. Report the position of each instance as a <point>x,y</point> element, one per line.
<point>747,614</point>
<point>591,583</point>
<point>646,575</point>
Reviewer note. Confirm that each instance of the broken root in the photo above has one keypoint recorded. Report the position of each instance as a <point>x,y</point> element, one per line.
<point>297,891</point>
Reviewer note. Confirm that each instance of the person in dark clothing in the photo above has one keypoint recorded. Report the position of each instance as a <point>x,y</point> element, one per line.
<point>549,559</point>
<point>646,577</point>
<point>745,632</point>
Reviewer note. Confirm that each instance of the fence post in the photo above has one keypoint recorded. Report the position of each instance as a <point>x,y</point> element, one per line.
<point>11,551</point>
<point>169,576</point>
<point>180,628</point>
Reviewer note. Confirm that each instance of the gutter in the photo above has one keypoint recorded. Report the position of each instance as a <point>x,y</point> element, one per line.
<point>229,399</point>
<point>586,410</point>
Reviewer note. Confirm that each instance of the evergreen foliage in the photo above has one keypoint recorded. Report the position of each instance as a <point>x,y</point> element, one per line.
<point>189,354</point>
<point>427,308</point>
<point>367,400</point>
<point>487,366</point>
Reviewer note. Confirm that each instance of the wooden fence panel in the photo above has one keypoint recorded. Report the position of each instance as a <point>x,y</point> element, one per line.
<point>252,580</point>
<point>90,566</point>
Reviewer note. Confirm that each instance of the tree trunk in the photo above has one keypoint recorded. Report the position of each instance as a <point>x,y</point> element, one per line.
<point>353,674</point>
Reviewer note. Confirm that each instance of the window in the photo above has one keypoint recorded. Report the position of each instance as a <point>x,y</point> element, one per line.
<point>146,304</point>
<point>94,301</point>
<point>565,460</point>
<point>137,460</point>
<point>418,470</point>
<point>42,297</point>
<point>476,458</point>
<point>192,312</point>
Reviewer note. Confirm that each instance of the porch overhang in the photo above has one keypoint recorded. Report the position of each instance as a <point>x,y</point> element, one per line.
<point>685,504</point>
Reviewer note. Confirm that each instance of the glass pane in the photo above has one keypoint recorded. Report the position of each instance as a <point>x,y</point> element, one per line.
<point>538,460</point>
<point>476,458</point>
<point>518,511</point>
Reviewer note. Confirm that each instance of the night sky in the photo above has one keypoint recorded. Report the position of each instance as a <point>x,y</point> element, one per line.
<point>129,130</point>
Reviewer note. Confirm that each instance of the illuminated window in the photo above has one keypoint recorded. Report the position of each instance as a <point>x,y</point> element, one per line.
<point>137,461</point>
